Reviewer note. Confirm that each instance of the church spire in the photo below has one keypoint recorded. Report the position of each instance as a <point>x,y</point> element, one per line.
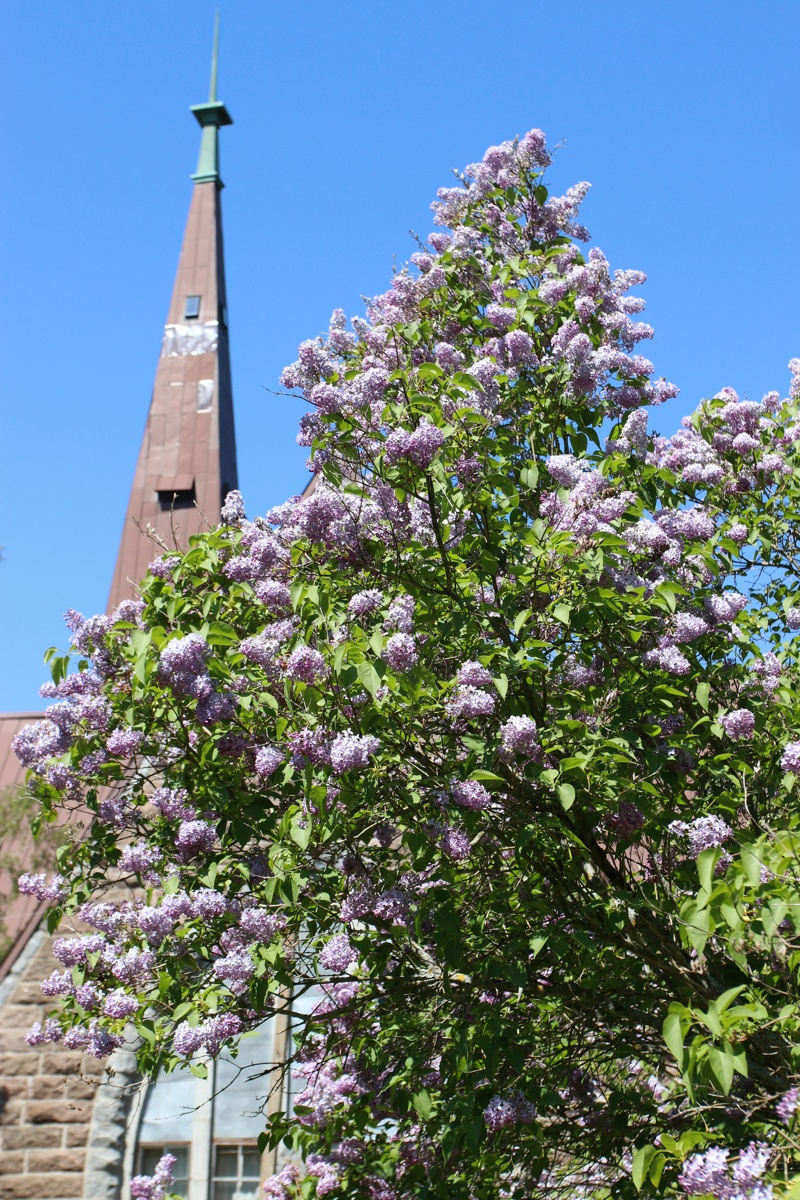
<point>187,460</point>
<point>211,115</point>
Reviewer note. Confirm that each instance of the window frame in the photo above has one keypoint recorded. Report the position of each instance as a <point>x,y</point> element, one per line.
<point>192,316</point>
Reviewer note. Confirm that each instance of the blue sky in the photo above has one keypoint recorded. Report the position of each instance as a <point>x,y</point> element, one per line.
<point>683,115</point>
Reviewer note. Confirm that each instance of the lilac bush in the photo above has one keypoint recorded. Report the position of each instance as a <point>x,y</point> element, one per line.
<point>493,739</point>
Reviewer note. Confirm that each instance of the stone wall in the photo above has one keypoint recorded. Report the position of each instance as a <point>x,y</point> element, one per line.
<point>47,1094</point>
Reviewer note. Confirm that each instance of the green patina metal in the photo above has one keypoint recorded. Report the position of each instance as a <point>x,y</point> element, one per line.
<point>210,116</point>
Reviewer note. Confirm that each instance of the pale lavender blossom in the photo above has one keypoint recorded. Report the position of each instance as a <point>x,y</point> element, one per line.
<point>790,760</point>
<point>470,794</point>
<point>163,567</point>
<point>473,674</point>
<point>273,594</point>
<point>267,760</point>
<point>233,508</point>
<point>503,1111</point>
<point>400,652</point>
<point>194,837</point>
<point>261,925</point>
<point>124,742</point>
<point>793,618</point>
<point>206,902</point>
<point>739,724</point>
<point>173,804</point>
<point>337,954</point>
<point>306,665</point>
<point>155,1186</point>
<point>37,885</point>
<point>400,614</point>
<point>520,735</point>
<point>118,1004</point>
<point>364,603</point>
<point>726,607</point>
<point>787,1105</point>
<point>349,751</point>
<point>469,702</point>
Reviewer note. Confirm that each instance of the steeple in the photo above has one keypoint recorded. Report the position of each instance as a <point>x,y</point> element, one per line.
<point>210,116</point>
<point>187,460</point>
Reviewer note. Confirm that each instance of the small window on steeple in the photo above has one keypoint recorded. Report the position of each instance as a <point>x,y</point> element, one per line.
<point>192,309</point>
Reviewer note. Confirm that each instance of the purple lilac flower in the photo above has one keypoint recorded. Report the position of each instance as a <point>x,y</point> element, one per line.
<point>520,735</point>
<point>306,665</point>
<point>337,954</point>
<point>273,594</point>
<point>350,752</point>
<point>793,618</point>
<point>364,603</point>
<point>400,614</point>
<point>501,316</point>
<point>183,660</point>
<point>155,1186</point>
<point>503,1111</point>
<point>155,923</point>
<point>163,567</point>
<point>194,837</point>
<point>72,951</point>
<point>519,348</point>
<point>235,969</point>
<point>470,794</point>
<point>739,724</point>
<point>58,983</point>
<point>469,702</point>
<point>309,746</point>
<point>688,626</point>
<point>206,902</point>
<point>627,820</point>
<point>726,607</point>
<point>400,652</point>
<point>420,446</point>
<point>277,1186</point>
<point>455,843</point>
<point>668,658</point>
<point>787,1105</point>
<point>187,1038</point>
<point>172,804</point>
<point>135,967</point>
<point>39,1034</point>
<point>267,760</point>
<point>260,925</point>
<point>447,356</point>
<point>473,674</point>
<point>790,761</point>
<point>140,858</point>
<point>233,508</point>
<point>88,996</point>
<point>124,742</point>
<point>220,1029</point>
<point>118,1004</point>
<point>37,885</point>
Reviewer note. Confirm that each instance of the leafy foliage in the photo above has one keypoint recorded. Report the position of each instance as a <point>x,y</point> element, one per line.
<point>488,744</point>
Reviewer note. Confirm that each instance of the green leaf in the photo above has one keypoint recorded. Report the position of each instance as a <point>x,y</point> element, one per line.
<point>562,613</point>
<point>199,1069</point>
<point>703,694</point>
<point>721,1064</point>
<point>422,1103</point>
<point>222,634</point>
<point>672,1031</point>
<point>566,794</point>
<point>369,677</point>
<point>641,1165</point>
<point>486,777</point>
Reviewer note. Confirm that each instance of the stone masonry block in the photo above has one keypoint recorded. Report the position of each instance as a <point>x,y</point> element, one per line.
<point>58,1160</point>
<point>19,1064</point>
<point>68,1062</point>
<point>40,1187</point>
<point>60,1112</point>
<point>49,1087</point>
<point>11,1162</point>
<point>24,1137</point>
<point>76,1135</point>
